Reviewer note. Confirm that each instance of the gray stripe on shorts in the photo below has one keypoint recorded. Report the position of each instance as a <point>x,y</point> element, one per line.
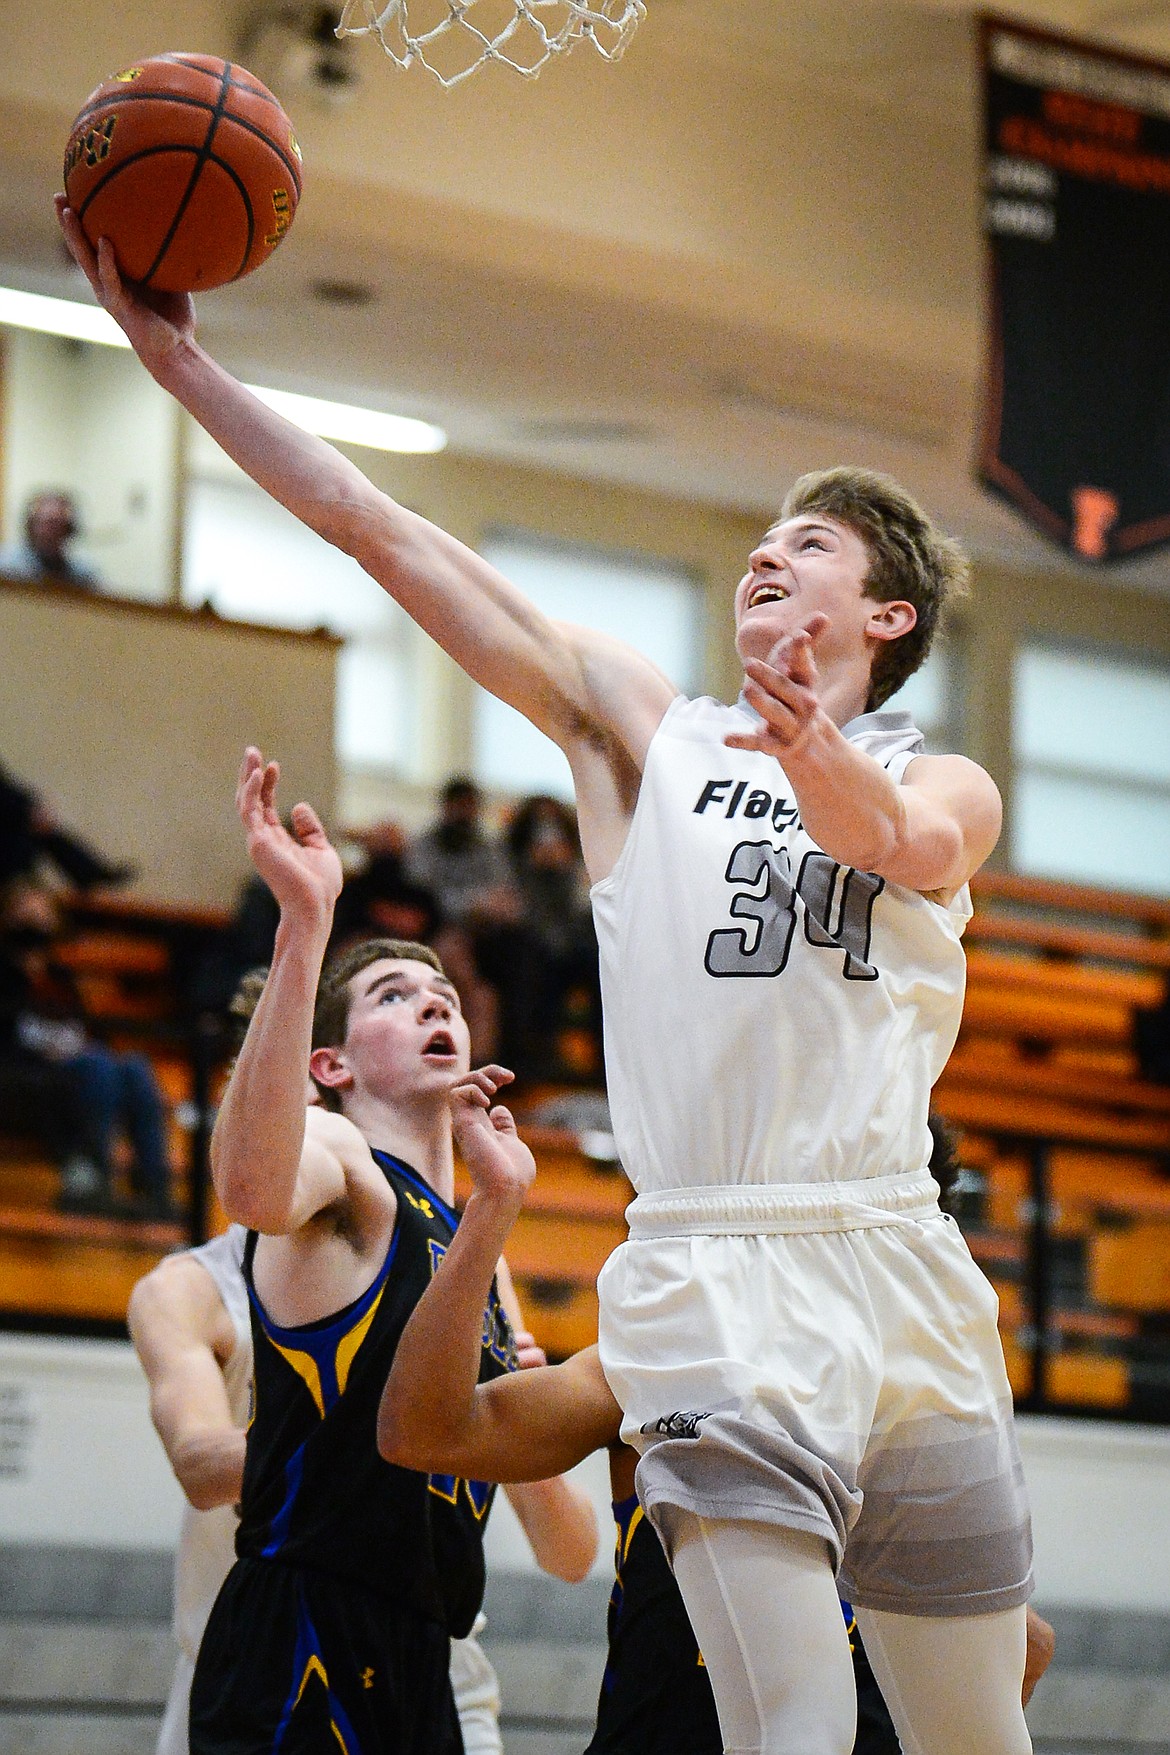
<point>944,1527</point>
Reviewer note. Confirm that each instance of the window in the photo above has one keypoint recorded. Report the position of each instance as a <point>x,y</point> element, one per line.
<point>249,558</point>
<point>1091,735</point>
<point>652,606</point>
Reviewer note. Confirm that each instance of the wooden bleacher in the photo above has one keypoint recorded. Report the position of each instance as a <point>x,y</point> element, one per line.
<point>130,962</point>
<point>1046,1059</point>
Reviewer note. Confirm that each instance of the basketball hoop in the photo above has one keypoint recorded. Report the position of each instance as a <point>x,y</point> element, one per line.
<point>453,38</point>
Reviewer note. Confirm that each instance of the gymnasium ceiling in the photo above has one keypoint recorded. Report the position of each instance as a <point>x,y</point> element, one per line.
<point>751,247</point>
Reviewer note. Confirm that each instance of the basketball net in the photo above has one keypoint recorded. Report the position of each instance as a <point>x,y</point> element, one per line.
<point>453,38</point>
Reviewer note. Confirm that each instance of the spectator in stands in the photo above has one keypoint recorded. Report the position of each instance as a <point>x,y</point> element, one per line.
<point>558,950</point>
<point>29,831</point>
<point>40,1093</point>
<point>467,874</point>
<point>380,900</point>
<point>118,1093</point>
<point>383,901</point>
<point>470,879</point>
<point>50,524</point>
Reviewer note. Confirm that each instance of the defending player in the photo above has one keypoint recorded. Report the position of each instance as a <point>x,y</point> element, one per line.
<point>189,1321</point>
<point>805,1354</point>
<point>655,1696</point>
<point>332,1628</point>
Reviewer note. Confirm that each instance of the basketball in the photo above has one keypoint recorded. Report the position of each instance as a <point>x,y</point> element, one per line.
<point>189,166</point>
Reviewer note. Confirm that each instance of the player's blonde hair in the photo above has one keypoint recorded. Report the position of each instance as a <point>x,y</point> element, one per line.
<point>334,997</point>
<point>910,558</point>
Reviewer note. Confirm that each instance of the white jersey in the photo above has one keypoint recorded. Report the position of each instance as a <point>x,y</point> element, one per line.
<point>207,1541</point>
<point>771,1017</point>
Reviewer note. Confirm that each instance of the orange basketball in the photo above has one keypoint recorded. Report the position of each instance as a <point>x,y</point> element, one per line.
<point>189,166</point>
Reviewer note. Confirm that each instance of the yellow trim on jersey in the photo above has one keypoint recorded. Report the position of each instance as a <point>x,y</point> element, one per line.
<point>347,1347</point>
<point>305,1367</point>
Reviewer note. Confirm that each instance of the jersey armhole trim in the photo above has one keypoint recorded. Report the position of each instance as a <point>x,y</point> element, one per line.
<point>605,886</point>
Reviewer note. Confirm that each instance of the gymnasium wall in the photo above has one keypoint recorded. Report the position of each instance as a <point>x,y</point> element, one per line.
<point>132,719</point>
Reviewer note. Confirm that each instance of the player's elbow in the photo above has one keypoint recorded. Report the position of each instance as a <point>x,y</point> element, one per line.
<point>400,1440</point>
<point>243,1194</point>
<point>416,1438</point>
<point>576,1562</point>
<point>201,1492</point>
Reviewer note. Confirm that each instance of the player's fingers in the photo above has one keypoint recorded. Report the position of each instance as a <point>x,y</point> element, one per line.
<point>76,241</point>
<point>801,663</point>
<point>748,741</point>
<point>111,280</point>
<point>248,795</point>
<point>248,763</point>
<point>780,714</point>
<point>502,1119</point>
<point>481,1077</point>
<point>468,1096</point>
<point>499,1075</point>
<point>768,677</point>
<point>268,783</point>
<point>308,826</point>
<point>775,693</point>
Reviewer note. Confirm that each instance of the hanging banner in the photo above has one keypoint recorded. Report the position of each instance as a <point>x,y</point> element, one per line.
<point>1076,429</point>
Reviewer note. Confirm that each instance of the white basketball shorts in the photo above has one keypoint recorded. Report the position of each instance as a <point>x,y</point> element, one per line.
<point>825,1357</point>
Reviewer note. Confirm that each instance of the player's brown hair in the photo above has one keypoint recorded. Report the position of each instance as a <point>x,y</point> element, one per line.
<point>331,1011</point>
<point>909,558</point>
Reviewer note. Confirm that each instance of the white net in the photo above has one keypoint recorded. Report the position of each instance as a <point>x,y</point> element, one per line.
<point>453,38</point>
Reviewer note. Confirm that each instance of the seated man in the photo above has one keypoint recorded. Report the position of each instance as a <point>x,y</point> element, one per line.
<point>655,1697</point>
<point>50,524</point>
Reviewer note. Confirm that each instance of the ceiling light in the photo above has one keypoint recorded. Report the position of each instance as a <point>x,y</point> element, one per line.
<point>24,310</point>
<point>332,420</point>
<point>353,425</point>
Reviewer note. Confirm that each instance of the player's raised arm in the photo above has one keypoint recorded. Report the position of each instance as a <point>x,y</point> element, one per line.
<point>272,1168</point>
<point>434,1414</point>
<point>931,833</point>
<point>183,1335</point>
<point>572,693</point>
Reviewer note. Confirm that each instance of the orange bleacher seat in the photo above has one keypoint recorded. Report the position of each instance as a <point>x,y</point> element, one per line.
<point>1088,1380</point>
<point>1129,1268</point>
<point>562,1318</point>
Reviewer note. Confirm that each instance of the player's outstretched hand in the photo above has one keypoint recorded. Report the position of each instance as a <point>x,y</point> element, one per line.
<point>155,323</point>
<point>498,1162</point>
<point>300,867</point>
<point>783,691</point>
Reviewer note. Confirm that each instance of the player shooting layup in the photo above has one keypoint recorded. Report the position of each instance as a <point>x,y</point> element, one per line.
<point>804,1352</point>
